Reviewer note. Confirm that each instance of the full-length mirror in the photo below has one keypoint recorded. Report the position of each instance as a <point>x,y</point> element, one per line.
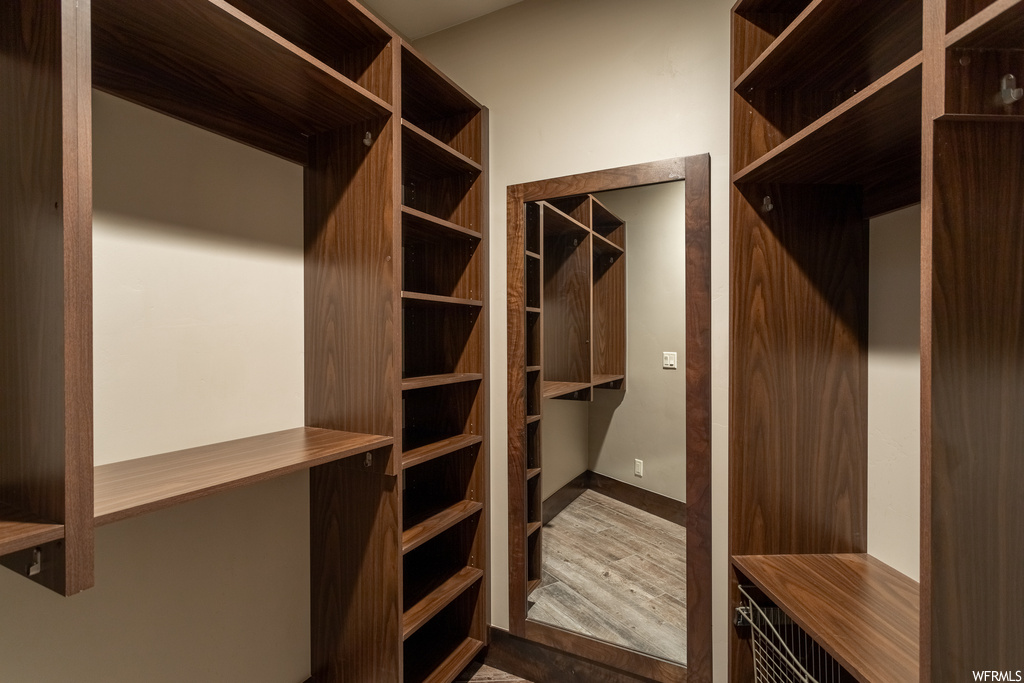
<point>607,287</point>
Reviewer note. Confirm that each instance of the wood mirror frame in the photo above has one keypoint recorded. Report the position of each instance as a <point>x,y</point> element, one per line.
<point>618,662</point>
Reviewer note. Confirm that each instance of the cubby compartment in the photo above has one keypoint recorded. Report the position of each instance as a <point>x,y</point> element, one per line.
<point>441,338</point>
<point>533,391</point>
<point>432,564</point>
<point>532,229</point>
<point>439,259</point>
<point>533,338</point>
<point>534,503</point>
<point>440,484</point>
<point>432,103</point>
<point>344,36</point>
<point>784,92</point>
<point>609,302</point>
<point>436,413</point>
<point>534,559</point>
<point>577,207</point>
<point>439,182</point>
<point>566,309</point>
<point>533,446</point>
<point>438,651</point>
<point>533,287</point>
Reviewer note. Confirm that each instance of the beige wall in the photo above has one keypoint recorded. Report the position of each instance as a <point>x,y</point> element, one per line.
<point>580,86</point>
<point>198,339</point>
<point>894,397</point>
<point>646,421</point>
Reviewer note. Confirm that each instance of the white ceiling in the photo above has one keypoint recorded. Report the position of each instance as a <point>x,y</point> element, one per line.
<point>418,18</point>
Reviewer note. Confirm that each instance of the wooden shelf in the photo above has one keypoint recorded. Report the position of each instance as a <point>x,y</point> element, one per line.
<point>423,155</point>
<point>420,225</point>
<point>419,299</point>
<point>532,585</point>
<point>135,487</point>
<point>556,389</point>
<point>438,599</point>
<point>852,47</point>
<point>223,71</point>
<point>863,612</point>
<point>533,368</point>
<point>873,139</point>
<point>20,530</point>
<point>440,380</point>
<point>532,528</point>
<point>782,6</point>
<point>605,247</point>
<point>533,309</point>
<point>600,380</point>
<point>983,118</point>
<point>1000,26</point>
<point>531,473</point>
<point>418,456</point>
<point>417,535</point>
<point>454,663</point>
<point>530,419</point>
<point>557,222</point>
<point>532,254</point>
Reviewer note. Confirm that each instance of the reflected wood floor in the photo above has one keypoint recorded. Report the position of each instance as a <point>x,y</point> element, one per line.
<point>480,673</point>
<point>615,573</point>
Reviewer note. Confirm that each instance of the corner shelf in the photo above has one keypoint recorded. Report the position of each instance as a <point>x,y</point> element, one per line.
<point>442,596</point>
<point>863,612</point>
<point>135,487</point>
<point>422,454</point>
<point>20,530</point>
<point>223,71</point>
<point>417,535</point>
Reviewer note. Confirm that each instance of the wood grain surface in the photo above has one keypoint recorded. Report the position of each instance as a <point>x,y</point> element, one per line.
<point>20,530</point>
<point>566,305</point>
<point>418,456</point>
<point>863,612</point>
<point>135,487</point>
<point>224,72</point>
<point>638,175</point>
<point>46,281</point>
<point>975,427</point>
<point>417,615</point>
<point>417,535</point>
<point>999,26</point>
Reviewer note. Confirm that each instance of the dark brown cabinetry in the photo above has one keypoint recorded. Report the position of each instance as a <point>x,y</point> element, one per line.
<point>842,111</point>
<point>395,319</point>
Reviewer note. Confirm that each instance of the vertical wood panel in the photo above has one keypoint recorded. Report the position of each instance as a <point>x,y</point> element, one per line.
<point>977,393</point>
<point>46,282</point>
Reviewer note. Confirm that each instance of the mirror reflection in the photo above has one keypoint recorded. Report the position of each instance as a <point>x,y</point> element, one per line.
<point>607,547</point>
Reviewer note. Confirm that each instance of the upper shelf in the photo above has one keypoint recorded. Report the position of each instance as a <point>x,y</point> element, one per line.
<point>425,156</point>
<point>863,612</point>
<point>20,530</point>
<point>557,222</point>
<point>418,225</point>
<point>1000,26</point>
<point>852,47</point>
<point>223,71</point>
<point>135,487</point>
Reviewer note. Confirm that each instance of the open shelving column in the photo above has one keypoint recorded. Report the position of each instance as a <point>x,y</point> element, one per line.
<point>444,358</point>
<point>903,106</point>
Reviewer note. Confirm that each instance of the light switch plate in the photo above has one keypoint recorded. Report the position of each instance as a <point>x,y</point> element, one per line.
<point>669,360</point>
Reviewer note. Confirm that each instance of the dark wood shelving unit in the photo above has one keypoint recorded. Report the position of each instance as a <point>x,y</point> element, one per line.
<point>925,123</point>
<point>444,387</point>
<point>559,389</point>
<point>135,487</point>
<point>395,223</point>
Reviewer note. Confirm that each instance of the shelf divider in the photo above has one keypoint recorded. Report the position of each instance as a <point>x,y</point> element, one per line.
<point>418,456</point>
<point>424,610</point>
<point>417,535</point>
<point>135,487</point>
<point>862,611</point>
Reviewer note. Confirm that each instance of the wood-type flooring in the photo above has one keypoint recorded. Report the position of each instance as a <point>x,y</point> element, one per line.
<point>617,574</point>
<point>481,673</point>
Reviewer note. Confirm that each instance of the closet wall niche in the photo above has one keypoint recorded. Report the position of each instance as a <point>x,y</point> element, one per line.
<point>848,145</point>
<point>394,317</point>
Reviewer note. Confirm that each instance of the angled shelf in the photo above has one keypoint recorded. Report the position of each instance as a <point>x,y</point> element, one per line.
<point>842,35</point>
<point>424,610</point>
<point>557,222</point>
<point>863,612</point>
<point>20,530</point>
<point>135,487</point>
<point>417,535</point>
<point>428,157</point>
<point>556,389</point>
<point>420,299</point>
<point>873,139</point>
<point>532,528</point>
<point>458,659</point>
<point>436,449</point>
<point>605,247</point>
<point>225,72</point>
<point>423,226</point>
<point>532,472</point>
<point>530,419</point>
<point>440,380</point>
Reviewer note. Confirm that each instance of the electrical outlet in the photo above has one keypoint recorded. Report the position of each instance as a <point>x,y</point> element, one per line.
<point>669,361</point>
<point>638,467</point>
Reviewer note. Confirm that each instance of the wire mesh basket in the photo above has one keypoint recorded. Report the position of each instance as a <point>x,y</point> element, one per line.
<point>783,652</point>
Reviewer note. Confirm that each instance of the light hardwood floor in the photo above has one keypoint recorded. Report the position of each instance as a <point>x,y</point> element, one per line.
<point>480,673</point>
<point>615,573</point>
